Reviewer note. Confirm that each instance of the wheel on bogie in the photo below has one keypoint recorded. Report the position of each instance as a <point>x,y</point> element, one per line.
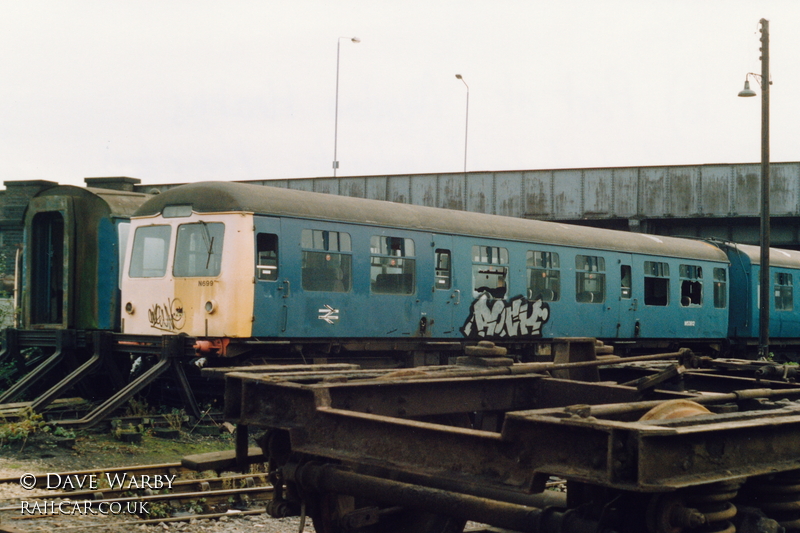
<point>339,513</point>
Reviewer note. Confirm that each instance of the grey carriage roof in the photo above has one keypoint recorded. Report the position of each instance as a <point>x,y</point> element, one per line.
<point>216,197</point>
<point>120,203</point>
<point>777,256</point>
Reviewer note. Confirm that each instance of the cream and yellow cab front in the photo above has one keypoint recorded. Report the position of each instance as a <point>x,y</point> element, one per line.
<point>189,273</point>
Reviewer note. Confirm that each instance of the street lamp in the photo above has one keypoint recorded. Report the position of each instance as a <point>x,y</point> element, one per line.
<point>336,117</point>
<point>466,126</point>
<point>764,290</point>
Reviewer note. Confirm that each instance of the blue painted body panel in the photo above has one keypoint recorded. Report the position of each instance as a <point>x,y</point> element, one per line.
<point>107,274</point>
<point>284,309</point>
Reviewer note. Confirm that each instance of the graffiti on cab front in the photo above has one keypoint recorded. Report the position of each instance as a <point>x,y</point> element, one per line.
<point>518,317</point>
<point>167,317</point>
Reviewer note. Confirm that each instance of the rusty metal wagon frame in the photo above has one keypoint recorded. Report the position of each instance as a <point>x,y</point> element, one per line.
<point>482,444</point>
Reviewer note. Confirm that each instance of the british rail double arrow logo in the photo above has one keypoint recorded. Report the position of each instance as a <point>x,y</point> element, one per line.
<point>329,314</point>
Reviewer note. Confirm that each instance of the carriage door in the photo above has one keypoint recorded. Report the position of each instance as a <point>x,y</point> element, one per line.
<point>446,299</point>
<point>273,291</point>
<point>49,265</point>
<point>628,301</point>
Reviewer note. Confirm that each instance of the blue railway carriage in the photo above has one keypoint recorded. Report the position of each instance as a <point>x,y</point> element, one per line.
<point>784,307</point>
<point>239,265</point>
<point>73,242</point>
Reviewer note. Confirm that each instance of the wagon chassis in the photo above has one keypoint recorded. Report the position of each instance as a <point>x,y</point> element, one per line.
<point>455,443</point>
<point>42,366</point>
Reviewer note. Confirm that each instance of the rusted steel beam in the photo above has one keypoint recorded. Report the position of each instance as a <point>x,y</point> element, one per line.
<point>327,478</point>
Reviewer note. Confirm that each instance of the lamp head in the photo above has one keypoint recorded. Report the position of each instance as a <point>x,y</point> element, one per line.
<point>356,40</point>
<point>747,91</point>
<point>458,76</point>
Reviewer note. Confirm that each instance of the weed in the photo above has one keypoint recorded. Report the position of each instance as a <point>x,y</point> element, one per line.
<point>196,506</point>
<point>29,422</point>
<point>175,418</point>
<point>159,510</point>
<point>138,408</point>
<point>63,433</point>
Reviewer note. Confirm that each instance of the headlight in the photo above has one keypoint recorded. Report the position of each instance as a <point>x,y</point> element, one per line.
<point>129,308</point>
<point>211,306</point>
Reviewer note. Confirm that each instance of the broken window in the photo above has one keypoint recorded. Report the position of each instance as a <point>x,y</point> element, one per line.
<point>691,285</point>
<point>489,271</point>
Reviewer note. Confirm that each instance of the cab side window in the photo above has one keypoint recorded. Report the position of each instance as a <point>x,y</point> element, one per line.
<point>626,282</point>
<point>266,257</point>
<point>443,270</point>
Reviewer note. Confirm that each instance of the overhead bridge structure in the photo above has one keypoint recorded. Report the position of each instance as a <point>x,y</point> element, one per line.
<point>718,200</point>
<point>714,200</point>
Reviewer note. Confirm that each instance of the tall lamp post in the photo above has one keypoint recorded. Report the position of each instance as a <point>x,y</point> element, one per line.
<point>466,126</point>
<point>764,291</point>
<point>336,117</point>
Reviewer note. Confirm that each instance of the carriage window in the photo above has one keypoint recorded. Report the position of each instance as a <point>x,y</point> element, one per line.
<point>392,265</point>
<point>590,279</point>
<point>198,250</point>
<point>544,278</point>
<point>443,270</point>
<point>656,283</point>
<point>720,288</point>
<point>691,285</point>
<point>266,257</point>
<point>626,282</point>
<point>489,271</point>
<point>784,294</point>
<point>149,256</point>
<point>324,267</point>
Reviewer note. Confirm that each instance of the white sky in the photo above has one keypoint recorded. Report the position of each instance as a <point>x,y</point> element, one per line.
<point>184,91</point>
